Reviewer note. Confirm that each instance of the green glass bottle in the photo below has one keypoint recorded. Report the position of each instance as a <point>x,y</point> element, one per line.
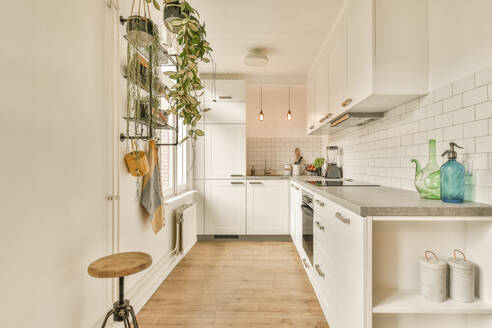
<point>428,179</point>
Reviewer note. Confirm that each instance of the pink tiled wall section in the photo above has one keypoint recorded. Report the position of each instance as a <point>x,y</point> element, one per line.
<point>460,112</point>
<point>277,151</point>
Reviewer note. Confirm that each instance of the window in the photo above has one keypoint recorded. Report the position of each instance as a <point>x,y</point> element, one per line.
<point>174,161</point>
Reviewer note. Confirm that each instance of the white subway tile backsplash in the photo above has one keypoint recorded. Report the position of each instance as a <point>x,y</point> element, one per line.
<point>490,91</point>
<point>483,110</point>
<point>483,77</point>
<point>484,144</point>
<point>476,128</point>
<point>475,96</point>
<point>427,124</point>
<point>453,103</point>
<point>443,120</point>
<point>464,115</point>
<point>443,92</point>
<point>434,109</point>
<point>453,132</point>
<point>465,84</point>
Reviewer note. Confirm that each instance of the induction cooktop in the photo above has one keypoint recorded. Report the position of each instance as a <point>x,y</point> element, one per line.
<point>340,183</point>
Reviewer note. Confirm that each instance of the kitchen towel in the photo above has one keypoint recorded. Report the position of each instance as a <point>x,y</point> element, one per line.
<point>152,199</point>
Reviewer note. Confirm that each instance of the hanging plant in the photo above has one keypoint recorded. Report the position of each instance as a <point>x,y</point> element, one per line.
<point>141,29</point>
<point>193,49</point>
<point>172,12</point>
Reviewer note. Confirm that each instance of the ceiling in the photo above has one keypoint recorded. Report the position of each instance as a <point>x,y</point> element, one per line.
<point>291,32</point>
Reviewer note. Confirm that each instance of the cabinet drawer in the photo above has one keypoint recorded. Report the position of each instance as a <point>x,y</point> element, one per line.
<point>225,90</point>
<point>323,207</point>
<point>324,233</point>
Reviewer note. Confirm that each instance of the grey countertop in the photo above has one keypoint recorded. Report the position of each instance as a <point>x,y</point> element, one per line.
<point>385,201</point>
<point>268,177</point>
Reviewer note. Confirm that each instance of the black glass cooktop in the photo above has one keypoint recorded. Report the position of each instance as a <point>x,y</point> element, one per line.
<point>340,183</point>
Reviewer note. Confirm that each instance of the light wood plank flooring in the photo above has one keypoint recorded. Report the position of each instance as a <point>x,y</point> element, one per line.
<point>235,284</point>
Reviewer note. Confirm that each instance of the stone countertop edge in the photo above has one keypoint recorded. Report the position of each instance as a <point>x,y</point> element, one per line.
<point>388,201</point>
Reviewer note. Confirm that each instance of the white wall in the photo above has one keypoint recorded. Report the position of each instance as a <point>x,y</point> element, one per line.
<point>275,108</point>
<point>460,39</point>
<point>55,163</point>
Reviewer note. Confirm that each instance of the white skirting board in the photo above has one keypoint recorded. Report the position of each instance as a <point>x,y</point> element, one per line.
<point>143,290</point>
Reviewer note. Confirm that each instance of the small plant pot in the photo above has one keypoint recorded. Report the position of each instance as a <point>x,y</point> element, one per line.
<point>140,31</point>
<point>172,12</point>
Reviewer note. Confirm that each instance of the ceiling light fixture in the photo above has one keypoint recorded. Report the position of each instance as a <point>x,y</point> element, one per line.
<point>261,117</point>
<point>256,59</point>
<point>289,113</point>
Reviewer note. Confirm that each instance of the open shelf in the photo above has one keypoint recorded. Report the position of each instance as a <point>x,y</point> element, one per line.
<point>410,302</point>
<point>155,125</point>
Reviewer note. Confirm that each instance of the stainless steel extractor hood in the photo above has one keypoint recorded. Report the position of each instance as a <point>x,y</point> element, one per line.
<point>355,119</point>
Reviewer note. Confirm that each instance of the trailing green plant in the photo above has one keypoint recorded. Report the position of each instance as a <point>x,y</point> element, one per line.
<point>318,162</point>
<point>194,48</point>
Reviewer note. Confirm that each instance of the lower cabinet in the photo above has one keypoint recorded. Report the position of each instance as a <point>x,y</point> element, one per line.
<point>225,207</point>
<point>295,212</point>
<point>267,207</point>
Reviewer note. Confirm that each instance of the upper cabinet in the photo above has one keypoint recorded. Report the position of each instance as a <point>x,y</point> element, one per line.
<point>226,112</point>
<point>373,61</point>
<point>225,90</point>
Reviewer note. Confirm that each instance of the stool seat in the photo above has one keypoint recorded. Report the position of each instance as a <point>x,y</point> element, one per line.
<point>119,265</point>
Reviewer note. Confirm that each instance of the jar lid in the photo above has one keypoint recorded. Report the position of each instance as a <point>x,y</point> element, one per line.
<point>460,263</point>
<point>432,261</point>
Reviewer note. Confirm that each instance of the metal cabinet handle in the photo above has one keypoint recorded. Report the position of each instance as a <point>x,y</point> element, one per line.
<point>343,219</point>
<point>319,203</point>
<point>297,188</point>
<point>311,127</point>
<point>237,175</point>
<point>225,97</point>
<point>318,269</point>
<point>305,263</point>
<point>347,102</point>
<point>328,115</point>
<point>320,227</point>
<point>236,183</point>
<point>256,183</point>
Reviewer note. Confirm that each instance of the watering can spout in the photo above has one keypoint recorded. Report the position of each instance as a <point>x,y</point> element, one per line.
<point>418,168</point>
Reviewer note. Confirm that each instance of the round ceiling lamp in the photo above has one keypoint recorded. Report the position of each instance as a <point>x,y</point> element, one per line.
<point>256,59</point>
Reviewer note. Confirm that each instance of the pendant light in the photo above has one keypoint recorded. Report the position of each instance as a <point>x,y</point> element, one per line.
<point>261,117</point>
<point>289,113</point>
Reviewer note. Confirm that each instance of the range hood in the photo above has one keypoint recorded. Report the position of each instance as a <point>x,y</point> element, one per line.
<point>355,119</point>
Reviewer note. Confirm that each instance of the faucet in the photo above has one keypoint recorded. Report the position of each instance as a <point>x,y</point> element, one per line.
<point>266,171</point>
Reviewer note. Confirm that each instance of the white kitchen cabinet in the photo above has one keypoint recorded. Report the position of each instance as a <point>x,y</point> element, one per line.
<point>225,90</point>
<point>295,210</point>
<point>199,156</point>
<point>225,207</point>
<point>375,62</point>
<point>311,103</point>
<point>268,207</point>
<point>226,112</point>
<point>225,151</point>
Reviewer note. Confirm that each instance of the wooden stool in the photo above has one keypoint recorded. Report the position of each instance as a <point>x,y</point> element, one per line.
<point>119,266</point>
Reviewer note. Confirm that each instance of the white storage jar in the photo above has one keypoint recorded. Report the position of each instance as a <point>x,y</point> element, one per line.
<point>461,278</point>
<point>433,278</point>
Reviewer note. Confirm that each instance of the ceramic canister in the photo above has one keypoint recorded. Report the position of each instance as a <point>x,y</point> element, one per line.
<point>433,278</point>
<point>287,169</point>
<point>296,169</point>
<point>461,278</point>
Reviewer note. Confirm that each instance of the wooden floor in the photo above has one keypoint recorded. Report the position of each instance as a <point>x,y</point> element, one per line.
<point>235,284</point>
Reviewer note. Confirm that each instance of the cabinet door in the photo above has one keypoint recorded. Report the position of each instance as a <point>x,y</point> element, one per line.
<point>325,279</point>
<point>225,151</point>
<point>225,90</point>
<point>199,153</point>
<point>322,111</point>
<point>226,112</point>
<point>360,54</point>
<point>295,209</point>
<point>225,207</point>
<point>267,209</point>
<point>311,103</point>
<point>349,261</point>
<point>337,68</point>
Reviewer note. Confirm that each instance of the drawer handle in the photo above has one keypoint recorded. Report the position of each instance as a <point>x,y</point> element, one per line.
<point>237,175</point>
<point>340,217</point>
<point>297,188</point>
<point>319,203</point>
<point>347,102</point>
<point>225,97</point>
<point>328,115</point>
<point>236,183</point>
<point>256,183</point>
<point>305,263</point>
<point>320,273</point>
<point>320,227</point>
<point>311,127</point>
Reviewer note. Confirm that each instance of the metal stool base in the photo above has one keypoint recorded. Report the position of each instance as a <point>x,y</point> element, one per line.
<point>121,310</point>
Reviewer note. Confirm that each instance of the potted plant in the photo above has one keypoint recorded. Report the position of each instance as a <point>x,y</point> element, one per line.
<point>193,48</point>
<point>172,12</point>
<point>141,30</point>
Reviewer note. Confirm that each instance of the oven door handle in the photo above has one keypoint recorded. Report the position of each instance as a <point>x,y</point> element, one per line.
<point>306,210</point>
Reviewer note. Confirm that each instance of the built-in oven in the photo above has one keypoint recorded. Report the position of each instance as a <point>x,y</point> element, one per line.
<point>307,225</point>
